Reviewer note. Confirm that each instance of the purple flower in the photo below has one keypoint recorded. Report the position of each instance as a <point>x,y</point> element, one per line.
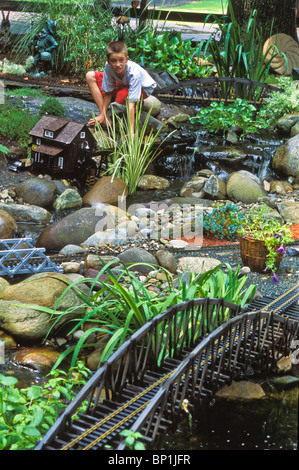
<point>278,235</point>
<point>275,278</point>
<point>280,249</point>
<point>265,270</point>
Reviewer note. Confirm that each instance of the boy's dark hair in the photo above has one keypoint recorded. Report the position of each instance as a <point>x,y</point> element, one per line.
<point>116,47</point>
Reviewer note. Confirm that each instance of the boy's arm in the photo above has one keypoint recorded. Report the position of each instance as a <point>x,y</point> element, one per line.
<point>106,101</point>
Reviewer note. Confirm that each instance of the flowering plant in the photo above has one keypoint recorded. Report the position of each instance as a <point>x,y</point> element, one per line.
<point>274,234</point>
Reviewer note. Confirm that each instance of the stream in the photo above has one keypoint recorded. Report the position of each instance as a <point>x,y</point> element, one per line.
<point>269,424</point>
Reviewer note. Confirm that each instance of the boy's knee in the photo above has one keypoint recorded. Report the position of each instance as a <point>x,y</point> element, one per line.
<point>90,76</point>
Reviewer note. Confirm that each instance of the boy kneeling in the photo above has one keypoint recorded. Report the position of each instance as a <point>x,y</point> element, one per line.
<point>120,80</point>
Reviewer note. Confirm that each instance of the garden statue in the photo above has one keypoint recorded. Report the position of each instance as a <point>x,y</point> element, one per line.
<point>44,47</point>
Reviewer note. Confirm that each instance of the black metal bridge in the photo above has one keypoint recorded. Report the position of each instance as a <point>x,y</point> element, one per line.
<point>203,91</point>
<point>186,353</point>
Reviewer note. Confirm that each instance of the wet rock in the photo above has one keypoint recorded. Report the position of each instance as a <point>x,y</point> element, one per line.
<point>280,187</point>
<point>9,342</point>
<point>73,229</point>
<point>69,199</point>
<point>215,188</point>
<point>27,213</point>
<point>194,187</point>
<point>285,382</point>
<point>153,182</point>
<point>295,130</point>
<point>28,323</point>
<point>242,186</point>
<point>286,123</point>
<point>40,359</point>
<point>106,191</point>
<point>37,191</point>
<point>241,391</point>
<point>8,225</point>
<point>286,158</point>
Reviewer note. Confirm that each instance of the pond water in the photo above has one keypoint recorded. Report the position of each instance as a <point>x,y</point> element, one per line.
<point>270,424</point>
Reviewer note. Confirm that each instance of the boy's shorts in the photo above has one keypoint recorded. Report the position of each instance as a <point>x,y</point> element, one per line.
<point>120,93</point>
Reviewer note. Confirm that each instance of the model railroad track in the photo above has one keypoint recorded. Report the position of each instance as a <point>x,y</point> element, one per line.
<point>151,399</point>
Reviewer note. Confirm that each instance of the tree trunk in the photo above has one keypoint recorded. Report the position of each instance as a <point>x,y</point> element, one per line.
<point>281,12</point>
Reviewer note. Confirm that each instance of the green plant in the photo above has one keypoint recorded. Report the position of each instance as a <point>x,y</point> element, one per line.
<point>132,440</point>
<point>168,51</point>
<point>26,414</point>
<point>219,117</point>
<point>130,155</point>
<point>82,34</point>
<point>274,234</point>
<point>223,221</point>
<point>239,53</point>
<point>15,123</point>
<point>36,93</point>
<point>53,107</point>
<point>123,304</point>
<point>277,104</point>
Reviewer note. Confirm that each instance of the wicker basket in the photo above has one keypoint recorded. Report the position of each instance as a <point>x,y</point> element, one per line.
<point>254,254</point>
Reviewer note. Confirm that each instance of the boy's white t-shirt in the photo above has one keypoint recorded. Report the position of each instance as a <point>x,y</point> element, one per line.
<point>135,78</point>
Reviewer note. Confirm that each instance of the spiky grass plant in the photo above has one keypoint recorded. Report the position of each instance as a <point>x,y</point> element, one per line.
<point>130,154</point>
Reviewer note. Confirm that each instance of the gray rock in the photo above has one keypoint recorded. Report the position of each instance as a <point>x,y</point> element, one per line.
<point>166,260</point>
<point>140,256</point>
<point>69,199</point>
<point>286,158</point>
<point>243,187</point>
<point>72,229</point>
<point>27,213</point>
<point>37,191</point>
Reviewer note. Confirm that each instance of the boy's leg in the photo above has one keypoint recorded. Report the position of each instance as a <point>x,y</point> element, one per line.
<point>95,90</point>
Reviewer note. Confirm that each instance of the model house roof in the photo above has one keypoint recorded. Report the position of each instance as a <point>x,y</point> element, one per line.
<point>64,129</point>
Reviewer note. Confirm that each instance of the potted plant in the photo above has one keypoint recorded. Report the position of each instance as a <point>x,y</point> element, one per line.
<point>263,241</point>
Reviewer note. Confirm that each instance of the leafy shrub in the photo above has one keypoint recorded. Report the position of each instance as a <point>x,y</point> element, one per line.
<point>220,117</point>
<point>53,107</point>
<point>223,221</point>
<point>15,123</point>
<point>169,52</point>
<point>278,104</point>
<point>26,414</point>
<point>82,34</point>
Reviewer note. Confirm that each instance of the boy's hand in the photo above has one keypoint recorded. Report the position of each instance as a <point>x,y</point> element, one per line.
<point>100,120</point>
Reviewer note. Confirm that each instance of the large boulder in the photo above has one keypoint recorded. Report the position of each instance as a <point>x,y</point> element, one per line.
<point>243,186</point>
<point>20,315</point>
<point>106,191</point>
<point>37,191</point>
<point>73,229</point>
<point>286,158</point>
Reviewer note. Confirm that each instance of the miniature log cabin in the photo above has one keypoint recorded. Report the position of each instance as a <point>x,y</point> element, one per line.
<point>60,145</point>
